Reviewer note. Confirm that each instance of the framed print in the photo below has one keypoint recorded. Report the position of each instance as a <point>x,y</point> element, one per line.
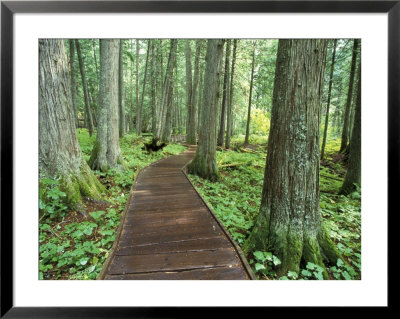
<point>303,41</point>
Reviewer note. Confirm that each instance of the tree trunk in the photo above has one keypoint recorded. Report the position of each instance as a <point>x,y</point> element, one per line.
<point>145,77</point>
<point>121,90</point>
<point>220,140</point>
<point>106,152</point>
<point>200,101</point>
<point>229,117</point>
<point>166,136</point>
<point>353,175</point>
<point>59,152</point>
<point>73,81</point>
<point>190,130</point>
<point>153,90</point>
<point>345,131</point>
<point>166,88</point>
<point>329,100</point>
<point>85,89</point>
<point>246,139</point>
<point>289,221</point>
<point>204,164</point>
<point>138,107</point>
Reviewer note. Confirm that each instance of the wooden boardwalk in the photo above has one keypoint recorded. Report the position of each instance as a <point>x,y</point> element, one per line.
<point>168,232</point>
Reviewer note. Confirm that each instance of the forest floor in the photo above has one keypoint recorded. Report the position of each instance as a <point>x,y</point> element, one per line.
<point>73,246</point>
<point>236,199</point>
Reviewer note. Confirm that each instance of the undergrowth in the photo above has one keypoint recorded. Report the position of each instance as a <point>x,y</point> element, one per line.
<point>75,245</point>
<point>236,199</point>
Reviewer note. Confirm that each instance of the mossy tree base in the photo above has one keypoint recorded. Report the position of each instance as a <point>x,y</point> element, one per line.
<point>293,248</point>
<point>81,184</point>
<point>204,168</point>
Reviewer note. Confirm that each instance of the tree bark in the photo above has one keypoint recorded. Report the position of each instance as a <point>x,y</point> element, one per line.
<point>329,100</point>
<point>145,77</point>
<point>220,140</point>
<point>73,81</point>
<point>246,139</point>
<point>166,88</point>
<point>204,164</point>
<point>85,89</point>
<point>289,221</point>
<point>345,130</point>
<point>190,130</point>
<point>229,118</point>
<point>121,90</point>
<point>153,90</point>
<point>106,152</point>
<point>59,152</point>
<point>353,174</point>
<point>138,107</point>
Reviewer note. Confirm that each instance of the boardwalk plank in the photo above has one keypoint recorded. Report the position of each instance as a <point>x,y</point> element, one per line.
<point>168,232</point>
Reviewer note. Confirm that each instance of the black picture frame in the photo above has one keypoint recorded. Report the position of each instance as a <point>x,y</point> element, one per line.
<point>9,8</point>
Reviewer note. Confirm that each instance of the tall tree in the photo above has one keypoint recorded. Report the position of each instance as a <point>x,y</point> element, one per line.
<point>246,139</point>
<point>106,152</point>
<point>73,80</point>
<point>229,117</point>
<point>166,88</point>
<point>153,81</point>
<point>145,78</point>
<point>353,174</point>
<point>59,152</point>
<point>329,99</point>
<point>121,89</point>
<point>190,130</point>
<point>85,88</point>
<point>220,140</point>
<point>192,119</point>
<point>289,221</point>
<point>138,108</point>
<point>204,163</point>
<point>345,130</point>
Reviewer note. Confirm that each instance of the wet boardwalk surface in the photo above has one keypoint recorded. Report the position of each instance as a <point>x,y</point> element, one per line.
<point>168,232</point>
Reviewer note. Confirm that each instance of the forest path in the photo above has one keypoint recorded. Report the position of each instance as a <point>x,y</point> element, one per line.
<point>168,232</point>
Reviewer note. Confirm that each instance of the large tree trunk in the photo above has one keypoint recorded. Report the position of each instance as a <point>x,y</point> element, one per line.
<point>353,175</point>
<point>220,140</point>
<point>329,100</point>
<point>246,138</point>
<point>229,117</point>
<point>106,152</point>
<point>73,81</point>
<point>121,90</point>
<point>59,152</point>
<point>204,164</point>
<point>166,88</point>
<point>85,89</point>
<point>345,130</point>
<point>289,222</point>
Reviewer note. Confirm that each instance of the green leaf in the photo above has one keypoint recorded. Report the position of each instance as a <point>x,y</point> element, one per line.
<point>306,273</point>
<point>259,266</point>
<point>292,274</point>
<point>340,263</point>
<point>276,261</point>
<point>319,275</point>
<point>259,255</point>
<point>83,261</point>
